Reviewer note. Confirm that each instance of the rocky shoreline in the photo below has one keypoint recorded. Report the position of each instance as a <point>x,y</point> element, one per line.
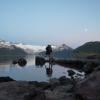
<point>56,89</point>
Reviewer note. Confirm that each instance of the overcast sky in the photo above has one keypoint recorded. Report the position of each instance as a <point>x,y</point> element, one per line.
<point>42,22</point>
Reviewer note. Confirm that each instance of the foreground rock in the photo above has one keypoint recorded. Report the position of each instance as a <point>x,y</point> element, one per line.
<point>89,89</point>
<point>18,91</point>
<point>22,90</point>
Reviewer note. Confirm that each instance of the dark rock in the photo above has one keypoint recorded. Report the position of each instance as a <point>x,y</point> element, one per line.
<point>35,95</point>
<point>22,62</point>
<point>71,73</point>
<point>42,85</point>
<point>33,90</point>
<point>5,79</point>
<point>89,67</point>
<point>39,61</point>
<point>15,90</point>
<point>58,95</point>
<point>97,68</point>
<point>89,88</point>
<point>64,88</point>
<point>54,81</point>
<point>63,80</point>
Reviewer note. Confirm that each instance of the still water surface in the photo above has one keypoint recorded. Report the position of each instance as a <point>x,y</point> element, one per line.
<point>31,72</point>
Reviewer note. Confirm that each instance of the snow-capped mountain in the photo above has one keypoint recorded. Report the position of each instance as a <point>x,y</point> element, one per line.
<point>4,43</point>
<point>58,51</point>
<point>61,52</point>
<point>9,49</point>
<point>30,49</point>
<point>62,47</point>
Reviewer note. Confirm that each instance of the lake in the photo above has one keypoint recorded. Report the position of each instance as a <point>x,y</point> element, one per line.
<point>31,72</point>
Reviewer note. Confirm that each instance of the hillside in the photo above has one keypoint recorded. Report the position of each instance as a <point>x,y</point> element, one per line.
<point>88,49</point>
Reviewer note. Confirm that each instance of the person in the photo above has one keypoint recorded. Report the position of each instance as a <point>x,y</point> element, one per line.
<point>49,53</point>
<point>48,50</point>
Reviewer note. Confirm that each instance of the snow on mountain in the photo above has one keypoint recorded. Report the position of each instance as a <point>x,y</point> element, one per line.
<point>62,47</point>
<point>27,48</point>
<point>4,44</point>
<point>31,48</point>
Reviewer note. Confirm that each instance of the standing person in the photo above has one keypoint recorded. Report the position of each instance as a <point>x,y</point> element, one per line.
<point>48,50</point>
<point>49,54</point>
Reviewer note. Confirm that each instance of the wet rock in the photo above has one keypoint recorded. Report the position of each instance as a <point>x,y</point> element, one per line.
<point>5,79</point>
<point>89,88</point>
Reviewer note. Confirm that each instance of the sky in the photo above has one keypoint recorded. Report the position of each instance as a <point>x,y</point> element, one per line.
<point>42,22</point>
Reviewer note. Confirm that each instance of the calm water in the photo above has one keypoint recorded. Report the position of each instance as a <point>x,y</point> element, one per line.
<point>31,72</point>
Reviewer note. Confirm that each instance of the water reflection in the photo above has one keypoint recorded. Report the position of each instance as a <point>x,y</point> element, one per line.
<point>30,71</point>
<point>48,66</point>
<point>49,70</point>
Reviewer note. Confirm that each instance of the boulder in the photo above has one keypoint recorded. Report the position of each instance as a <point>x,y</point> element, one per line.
<point>89,88</point>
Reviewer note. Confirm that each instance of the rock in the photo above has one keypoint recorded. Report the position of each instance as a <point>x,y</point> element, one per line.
<point>64,88</point>
<point>22,62</point>
<point>97,68</point>
<point>42,85</point>
<point>36,94</point>
<point>89,67</point>
<point>63,80</point>
<point>56,95</point>
<point>5,79</point>
<point>89,88</point>
<point>71,72</point>
<point>54,81</point>
<point>33,90</point>
<point>15,90</point>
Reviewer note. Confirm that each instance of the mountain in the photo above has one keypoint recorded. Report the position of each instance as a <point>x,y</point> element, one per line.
<point>88,49</point>
<point>30,49</point>
<point>60,52</point>
<point>9,48</point>
<point>63,52</point>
